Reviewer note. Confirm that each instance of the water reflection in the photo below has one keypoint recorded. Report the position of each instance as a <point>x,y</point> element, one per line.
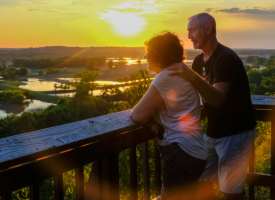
<point>33,106</point>
<point>127,61</point>
<point>95,92</point>
<point>36,84</point>
<point>100,83</point>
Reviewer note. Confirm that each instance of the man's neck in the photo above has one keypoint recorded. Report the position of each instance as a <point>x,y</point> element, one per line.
<point>209,48</point>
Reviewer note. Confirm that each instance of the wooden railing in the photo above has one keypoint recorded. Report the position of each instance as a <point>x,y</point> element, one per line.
<point>29,158</point>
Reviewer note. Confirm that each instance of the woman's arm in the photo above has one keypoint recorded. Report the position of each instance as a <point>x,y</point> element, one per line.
<point>149,103</point>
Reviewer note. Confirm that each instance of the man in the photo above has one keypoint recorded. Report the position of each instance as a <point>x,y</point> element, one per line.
<point>219,76</point>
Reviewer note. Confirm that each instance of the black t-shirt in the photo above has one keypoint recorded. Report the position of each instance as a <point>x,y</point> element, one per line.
<point>236,114</point>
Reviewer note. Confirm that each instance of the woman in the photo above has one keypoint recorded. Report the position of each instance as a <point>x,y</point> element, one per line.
<point>174,104</point>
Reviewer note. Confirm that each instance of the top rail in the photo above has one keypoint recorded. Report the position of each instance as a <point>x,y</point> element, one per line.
<point>30,146</point>
<point>263,101</point>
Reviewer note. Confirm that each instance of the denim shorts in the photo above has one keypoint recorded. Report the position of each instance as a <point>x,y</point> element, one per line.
<point>228,160</point>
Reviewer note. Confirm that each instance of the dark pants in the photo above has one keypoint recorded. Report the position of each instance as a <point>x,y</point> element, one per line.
<point>180,173</point>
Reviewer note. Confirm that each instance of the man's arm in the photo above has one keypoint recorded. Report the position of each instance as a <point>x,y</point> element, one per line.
<point>214,95</point>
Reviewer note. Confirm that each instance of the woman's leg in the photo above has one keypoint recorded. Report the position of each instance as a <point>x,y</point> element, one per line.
<point>181,173</point>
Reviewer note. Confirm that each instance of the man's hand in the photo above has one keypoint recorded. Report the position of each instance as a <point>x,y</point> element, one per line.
<point>180,69</point>
<point>213,94</point>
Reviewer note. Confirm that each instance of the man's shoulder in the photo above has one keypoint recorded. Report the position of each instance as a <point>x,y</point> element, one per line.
<point>226,52</point>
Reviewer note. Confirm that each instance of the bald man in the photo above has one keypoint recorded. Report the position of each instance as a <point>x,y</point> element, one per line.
<point>219,76</point>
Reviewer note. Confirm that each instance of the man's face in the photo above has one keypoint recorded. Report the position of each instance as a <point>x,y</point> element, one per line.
<point>196,33</point>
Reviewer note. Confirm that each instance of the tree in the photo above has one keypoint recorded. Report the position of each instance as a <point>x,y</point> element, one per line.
<point>247,68</point>
<point>41,72</point>
<point>110,64</point>
<point>255,60</point>
<point>87,82</point>
<point>13,96</point>
<point>254,76</point>
<point>23,71</point>
<point>91,65</point>
<point>3,67</point>
<point>9,73</point>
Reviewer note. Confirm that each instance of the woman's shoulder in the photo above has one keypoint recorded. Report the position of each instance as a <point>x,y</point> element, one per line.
<point>164,77</point>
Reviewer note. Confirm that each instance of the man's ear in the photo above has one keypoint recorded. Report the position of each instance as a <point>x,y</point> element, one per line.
<point>208,29</point>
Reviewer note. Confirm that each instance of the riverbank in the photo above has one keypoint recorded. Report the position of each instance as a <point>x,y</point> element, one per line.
<point>106,74</point>
<point>13,85</point>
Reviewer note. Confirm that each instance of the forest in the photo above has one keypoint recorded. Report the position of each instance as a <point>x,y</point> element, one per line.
<point>262,82</point>
<point>68,62</point>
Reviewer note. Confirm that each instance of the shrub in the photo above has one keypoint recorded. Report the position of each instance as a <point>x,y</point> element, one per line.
<point>13,96</point>
<point>41,72</point>
<point>23,71</point>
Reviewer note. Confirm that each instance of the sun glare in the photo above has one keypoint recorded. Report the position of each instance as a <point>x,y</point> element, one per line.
<point>126,23</point>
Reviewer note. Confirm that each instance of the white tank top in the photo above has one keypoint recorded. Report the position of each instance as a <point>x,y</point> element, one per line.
<point>180,114</point>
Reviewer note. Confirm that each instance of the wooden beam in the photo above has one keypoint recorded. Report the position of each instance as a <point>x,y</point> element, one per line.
<point>272,190</point>
<point>145,171</point>
<point>259,179</point>
<point>157,169</point>
<point>34,191</point>
<point>58,187</point>
<point>79,183</point>
<point>133,173</point>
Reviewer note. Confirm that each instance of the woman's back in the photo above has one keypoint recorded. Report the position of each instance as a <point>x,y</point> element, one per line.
<point>180,114</point>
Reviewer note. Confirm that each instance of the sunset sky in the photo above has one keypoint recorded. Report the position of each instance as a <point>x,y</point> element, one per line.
<point>34,23</point>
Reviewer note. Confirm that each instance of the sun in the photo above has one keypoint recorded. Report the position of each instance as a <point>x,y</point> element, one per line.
<point>127,23</point>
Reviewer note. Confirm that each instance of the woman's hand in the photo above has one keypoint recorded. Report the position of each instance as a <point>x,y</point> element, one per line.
<point>156,128</point>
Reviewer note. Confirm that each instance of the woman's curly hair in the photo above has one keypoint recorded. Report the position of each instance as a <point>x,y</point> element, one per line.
<point>165,48</point>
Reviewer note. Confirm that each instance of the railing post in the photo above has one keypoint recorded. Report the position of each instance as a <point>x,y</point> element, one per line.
<point>146,180</point>
<point>34,191</point>
<point>94,185</point>
<point>103,183</point>
<point>6,196</point>
<point>133,173</point>
<point>110,178</point>
<point>79,183</point>
<point>251,190</point>
<point>157,169</point>
<point>58,187</point>
<point>272,190</point>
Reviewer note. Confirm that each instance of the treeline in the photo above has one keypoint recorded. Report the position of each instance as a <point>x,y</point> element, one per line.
<point>63,51</point>
<point>68,62</point>
<point>12,72</point>
<point>262,82</point>
<point>256,60</point>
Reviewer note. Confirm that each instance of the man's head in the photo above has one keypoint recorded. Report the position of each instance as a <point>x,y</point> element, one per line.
<point>200,28</point>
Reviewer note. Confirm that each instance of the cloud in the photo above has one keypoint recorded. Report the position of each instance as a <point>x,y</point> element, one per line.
<point>145,7</point>
<point>255,11</point>
<point>42,10</point>
<point>7,3</point>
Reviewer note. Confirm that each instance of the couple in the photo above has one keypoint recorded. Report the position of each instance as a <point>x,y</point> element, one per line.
<point>191,161</point>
